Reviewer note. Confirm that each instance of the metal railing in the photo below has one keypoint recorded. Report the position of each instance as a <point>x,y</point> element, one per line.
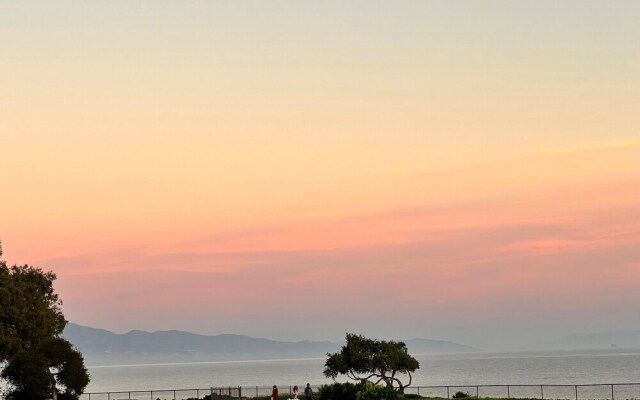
<point>213,393</point>
<point>596,391</point>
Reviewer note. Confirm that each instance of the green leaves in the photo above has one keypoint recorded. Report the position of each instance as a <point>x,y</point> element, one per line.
<point>30,309</point>
<point>30,371</point>
<point>37,360</point>
<point>371,391</point>
<point>364,359</point>
<point>62,357</point>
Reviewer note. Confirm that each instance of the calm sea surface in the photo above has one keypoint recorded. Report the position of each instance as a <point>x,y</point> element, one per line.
<point>568,367</point>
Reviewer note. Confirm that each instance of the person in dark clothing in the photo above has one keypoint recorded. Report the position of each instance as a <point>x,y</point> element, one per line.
<point>307,392</point>
<point>274,393</point>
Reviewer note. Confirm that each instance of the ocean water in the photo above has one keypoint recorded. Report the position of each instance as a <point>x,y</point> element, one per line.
<point>461,370</point>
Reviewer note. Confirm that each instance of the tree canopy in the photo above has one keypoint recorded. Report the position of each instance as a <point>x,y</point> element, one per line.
<point>37,361</point>
<point>363,359</point>
<point>54,363</point>
<point>30,309</point>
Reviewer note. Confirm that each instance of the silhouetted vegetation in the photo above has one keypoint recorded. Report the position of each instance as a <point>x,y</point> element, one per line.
<point>364,390</point>
<point>38,363</point>
<point>338,391</point>
<point>377,361</point>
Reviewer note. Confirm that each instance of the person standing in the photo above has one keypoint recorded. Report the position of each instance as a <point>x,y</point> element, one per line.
<point>274,393</point>
<point>307,392</point>
<point>295,392</point>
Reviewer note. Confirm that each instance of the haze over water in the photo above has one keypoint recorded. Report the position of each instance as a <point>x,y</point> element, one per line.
<point>571,367</point>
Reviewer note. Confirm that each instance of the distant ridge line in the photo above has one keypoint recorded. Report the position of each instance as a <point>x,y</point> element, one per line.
<point>137,346</point>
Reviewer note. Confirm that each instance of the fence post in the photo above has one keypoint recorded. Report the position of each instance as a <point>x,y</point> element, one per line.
<point>476,392</point>
<point>174,395</point>
<point>576,387</point>
<point>612,392</point>
<point>508,392</point>
<point>239,391</point>
<point>256,391</point>
<point>151,394</point>
<point>541,392</point>
<point>447,392</point>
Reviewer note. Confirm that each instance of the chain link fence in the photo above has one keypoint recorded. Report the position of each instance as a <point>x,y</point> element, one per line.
<point>621,391</point>
<point>213,393</point>
<point>616,391</point>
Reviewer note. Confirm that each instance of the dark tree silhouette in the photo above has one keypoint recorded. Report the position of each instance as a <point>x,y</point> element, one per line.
<point>363,359</point>
<point>38,362</point>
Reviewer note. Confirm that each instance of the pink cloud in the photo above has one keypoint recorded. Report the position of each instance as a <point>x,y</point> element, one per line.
<point>557,250</point>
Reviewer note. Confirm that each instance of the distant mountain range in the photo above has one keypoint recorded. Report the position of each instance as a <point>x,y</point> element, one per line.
<point>100,346</point>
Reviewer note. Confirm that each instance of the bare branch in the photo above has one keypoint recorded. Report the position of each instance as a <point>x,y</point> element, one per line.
<point>371,376</point>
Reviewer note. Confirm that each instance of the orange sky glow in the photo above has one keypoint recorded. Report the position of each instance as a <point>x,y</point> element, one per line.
<point>330,167</point>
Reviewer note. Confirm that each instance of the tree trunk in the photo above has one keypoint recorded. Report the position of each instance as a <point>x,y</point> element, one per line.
<point>54,390</point>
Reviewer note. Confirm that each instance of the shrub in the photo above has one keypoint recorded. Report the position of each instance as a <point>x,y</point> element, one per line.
<point>217,396</point>
<point>461,395</point>
<point>371,391</point>
<point>362,391</point>
<point>338,391</point>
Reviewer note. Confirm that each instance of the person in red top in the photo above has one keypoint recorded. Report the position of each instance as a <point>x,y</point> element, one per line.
<point>274,393</point>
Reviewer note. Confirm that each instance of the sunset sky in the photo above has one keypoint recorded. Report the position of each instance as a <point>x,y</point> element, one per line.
<point>295,170</point>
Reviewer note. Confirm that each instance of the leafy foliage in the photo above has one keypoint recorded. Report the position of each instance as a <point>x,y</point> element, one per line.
<point>68,364</point>
<point>338,391</point>
<point>30,309</point>
<point>29,375</point>
<point>365,390</point>
<point>36,359</point>
<point>363,359</point>
<point>461,395</point>
<point>370,391</point>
